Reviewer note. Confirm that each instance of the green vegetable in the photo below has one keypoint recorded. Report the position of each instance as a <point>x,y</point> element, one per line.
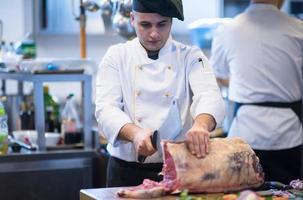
<point>185,196</point>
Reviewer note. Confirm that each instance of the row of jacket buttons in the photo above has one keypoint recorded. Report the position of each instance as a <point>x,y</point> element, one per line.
<point>140,67</point>
<point>167,94</point>
<point>138,92</point>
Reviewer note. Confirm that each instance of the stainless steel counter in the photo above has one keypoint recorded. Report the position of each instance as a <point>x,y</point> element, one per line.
<point>111,193</point>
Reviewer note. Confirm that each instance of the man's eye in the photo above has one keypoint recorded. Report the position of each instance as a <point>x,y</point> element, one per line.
<point>161,24</point>
<point>145,25</point>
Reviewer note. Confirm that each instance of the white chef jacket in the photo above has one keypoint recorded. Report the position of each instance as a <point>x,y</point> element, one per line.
<point>132,88</point>
<point>261,51</point>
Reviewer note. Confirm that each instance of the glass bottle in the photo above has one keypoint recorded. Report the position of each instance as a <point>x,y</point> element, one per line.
<point>3,130</point>
<point>52,113</point>
<point>70,125</point>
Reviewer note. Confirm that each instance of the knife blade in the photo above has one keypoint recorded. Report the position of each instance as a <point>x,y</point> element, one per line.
<point>169,130</point>
<point>267,185</point>
<point>171,127</point>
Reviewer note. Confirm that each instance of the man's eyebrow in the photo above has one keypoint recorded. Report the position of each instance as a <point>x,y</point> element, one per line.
<point>165,20</point>
<point>146,22</point>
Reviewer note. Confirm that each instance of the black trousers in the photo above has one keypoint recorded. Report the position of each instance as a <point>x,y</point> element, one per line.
<point>122,173</point>
<point>282,165</point>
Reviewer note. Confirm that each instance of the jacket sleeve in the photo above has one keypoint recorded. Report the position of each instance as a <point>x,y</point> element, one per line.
<point>109,101</point>
<point>207,97</point>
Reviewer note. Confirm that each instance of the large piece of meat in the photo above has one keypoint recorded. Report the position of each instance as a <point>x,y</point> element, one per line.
<point>231,165</point>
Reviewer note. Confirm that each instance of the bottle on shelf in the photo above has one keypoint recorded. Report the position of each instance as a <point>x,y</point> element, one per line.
<point>52,113</point>
<point>4,142</point>
<point>3,49</point>
<point>70,124</point>
<point>27,47</point>
<point>24,116</point>
<point>31,112</point>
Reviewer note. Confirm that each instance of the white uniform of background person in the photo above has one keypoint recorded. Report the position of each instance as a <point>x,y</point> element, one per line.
<point>132,88</point>
<point>261,53</point>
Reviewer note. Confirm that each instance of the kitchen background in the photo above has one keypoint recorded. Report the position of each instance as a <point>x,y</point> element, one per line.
<point>52,26</point>
<point>58,37</point>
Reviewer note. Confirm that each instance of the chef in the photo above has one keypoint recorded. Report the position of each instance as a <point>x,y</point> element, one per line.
<point>150,81</point>
<point>260,56</point>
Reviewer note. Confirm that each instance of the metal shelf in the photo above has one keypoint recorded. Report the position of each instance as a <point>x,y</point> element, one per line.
<point>37,80</point>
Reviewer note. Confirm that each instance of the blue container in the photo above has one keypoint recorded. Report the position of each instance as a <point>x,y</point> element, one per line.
<point>202,31</point>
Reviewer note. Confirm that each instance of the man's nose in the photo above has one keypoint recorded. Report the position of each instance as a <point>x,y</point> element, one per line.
<point>154,33</point>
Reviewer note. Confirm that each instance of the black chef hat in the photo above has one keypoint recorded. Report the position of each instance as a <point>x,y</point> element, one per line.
<point>168,8</point>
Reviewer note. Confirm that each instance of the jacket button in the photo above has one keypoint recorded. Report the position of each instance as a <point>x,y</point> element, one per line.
<point>167,94</point>
<point>169,67</point>
<point>140,67</point>
<point>139,120</point>
<point>138,93</point>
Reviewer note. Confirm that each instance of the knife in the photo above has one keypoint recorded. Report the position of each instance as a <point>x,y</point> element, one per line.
<point>169,130</point>
<point>153,139</point>
<point>273,185</point>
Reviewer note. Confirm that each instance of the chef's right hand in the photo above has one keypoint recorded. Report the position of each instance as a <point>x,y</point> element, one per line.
<point>142,143</point>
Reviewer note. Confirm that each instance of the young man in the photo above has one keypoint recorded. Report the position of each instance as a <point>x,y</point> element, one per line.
<point>260,54</point>
<point>150,81</point>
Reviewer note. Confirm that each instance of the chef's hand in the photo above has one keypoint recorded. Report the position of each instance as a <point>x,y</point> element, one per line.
<point>139,137</point>
<point>197,140</point>
<point>143,144</point>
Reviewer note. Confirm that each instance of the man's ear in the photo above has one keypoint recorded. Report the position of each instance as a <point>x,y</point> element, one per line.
<point>132,18</point>
<point>280,3</point>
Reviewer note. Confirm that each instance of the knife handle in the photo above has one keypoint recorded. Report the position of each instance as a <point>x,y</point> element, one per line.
<point>153,139</point>
<point>141,158</point>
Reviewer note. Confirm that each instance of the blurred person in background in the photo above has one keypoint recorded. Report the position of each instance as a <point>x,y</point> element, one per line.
<point>259,56</point>
<point>150,80</point>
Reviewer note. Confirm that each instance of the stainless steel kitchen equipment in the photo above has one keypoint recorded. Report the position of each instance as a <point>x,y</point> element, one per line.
<point>38,80</point>
<point>115,15</point>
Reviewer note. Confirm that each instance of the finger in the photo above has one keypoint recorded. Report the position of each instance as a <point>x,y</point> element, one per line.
<point>196,143</point>
<point>201,145</point>
<point>149,147</point>
<point>190,145</point>
<point>207,144</point>
<point>140,150</point>
<point>143,148</point>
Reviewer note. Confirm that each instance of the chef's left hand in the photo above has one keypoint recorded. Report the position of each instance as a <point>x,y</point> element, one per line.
<point>197,141</point>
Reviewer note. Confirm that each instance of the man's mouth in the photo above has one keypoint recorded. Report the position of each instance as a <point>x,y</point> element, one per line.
<point>153,42</point>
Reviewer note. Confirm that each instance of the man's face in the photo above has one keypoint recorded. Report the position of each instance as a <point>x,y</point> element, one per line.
<point>152,29</point>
